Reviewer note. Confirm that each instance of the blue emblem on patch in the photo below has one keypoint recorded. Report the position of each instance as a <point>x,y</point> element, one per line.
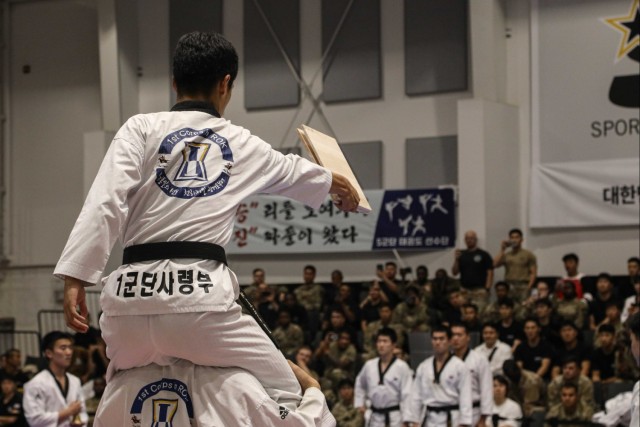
<point>199,159</point>
<point>164,410</point>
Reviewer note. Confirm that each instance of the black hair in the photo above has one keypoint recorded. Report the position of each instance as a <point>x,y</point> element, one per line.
<point>502,284</point>
<point>49,340</point>
<point>459,325</point>
<point>506,301</point>
<point>423,267</point>
<point>634,259</point>
<point>532,319</point>
<point>502,379</point>
<point>490,325</point>
<point>255,270</point>
<point>470,305</point>
<point>515,230</point>
<point>310,267</point>
<point>570,359</point>
<point>344,382</point>
<point>201,60</point>
<point>384,305</point>
<point>606,276</point>
<point>569,257</point>
<point>544,301</point>
<point>633,323</point>
<point>570,324</point>
<point>390,263</point>
<point>441,328</point>
<point>570,385</point>
<point>607,328</point>
<point>387,332</point>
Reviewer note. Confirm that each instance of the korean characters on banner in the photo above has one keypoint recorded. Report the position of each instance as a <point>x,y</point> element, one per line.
<point>271,224</point>
<point>416,219</point>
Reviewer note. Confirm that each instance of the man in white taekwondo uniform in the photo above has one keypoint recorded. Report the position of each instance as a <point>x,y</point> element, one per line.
<point>480,372</point>
<point>441,391</point>
<point>53,398</point>
<point>169,186</point>
<point>493,349</point>
<point>633,324</point>
<point>386,382</point>
<point>184,394</point>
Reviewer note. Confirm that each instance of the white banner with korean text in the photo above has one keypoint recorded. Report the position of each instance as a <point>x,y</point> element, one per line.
<point>585,113</point>
<point>400,219</point>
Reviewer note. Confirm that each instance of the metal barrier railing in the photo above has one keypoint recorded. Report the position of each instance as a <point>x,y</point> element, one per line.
<point>28,342</point>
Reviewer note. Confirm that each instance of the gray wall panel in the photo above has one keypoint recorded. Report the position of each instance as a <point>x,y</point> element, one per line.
<point>269,82</point>
<point>436,46</point>
<point>193,15</point>
<point>431,162</point>
<point>365,159</point>
<point>352,69</point>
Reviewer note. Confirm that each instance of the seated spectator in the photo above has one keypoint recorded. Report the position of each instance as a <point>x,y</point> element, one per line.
<point>297,312</point>
<point>453,311</point>
<point>603,363</point>
<point>339,359</point>
<point>441,287</point>
<point>311,296</point>
<point>345,413</point>
<point>626,288</point>
<point>632,303</point>
<point>509,330</point>
<point>571,347</point>
<point>92,403</point>
<point>471,318</point>
<point>528,388</point>
<point>12,368</point>
<point>345,301</point>
<point>251,290</point>
<point>612,317</point>
<point>541,292</point>
<point>534,354</point>
<point>11,412</point>
<point>386,320</point>
<point>494,349</point>
<point>549,326</point>
<point>332,289</point>
<point>571,308</point>
<point>337,324</point>
<point>411,313</point>
<point>603,297</point>
<point>266,304</point>
<point>570,408</point>
<point>571,263</point>
<point>571,374</point>
<point>304,359</point>
<point>422,277</point>
<point>491,312</point>
<point>289,336</point>
<point>506,412</point>
<point>369,306</point>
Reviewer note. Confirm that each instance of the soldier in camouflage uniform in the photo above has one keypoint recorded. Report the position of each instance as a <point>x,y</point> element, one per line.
<point>289,336</point>
<point>310,294</point>
<point>386,315</point>
<point>345,413</point>
<point>571,375</point>
<point>411,313</point>
<point>571,308</point>
<point>570,408</point>
<point>529,388</point>
<point>340,359</point>
<point>491,313</point>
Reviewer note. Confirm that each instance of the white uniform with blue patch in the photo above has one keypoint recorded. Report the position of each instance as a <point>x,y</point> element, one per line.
<point>481,385</point>
<point>43,400</point>
<point>180,176</point>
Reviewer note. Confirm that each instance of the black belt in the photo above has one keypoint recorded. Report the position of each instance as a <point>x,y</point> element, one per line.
<point>173,250</point>
<point>476,404</point>
<point>385,411</point>
<point>446,408</point>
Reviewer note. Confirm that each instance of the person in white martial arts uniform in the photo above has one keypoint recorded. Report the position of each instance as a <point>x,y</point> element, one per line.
<point>169,187</point>
<point>506,412</point>
<point>633,324</point>
<point>385,382</point>
<point>480,372</point>
<point>493,349</point>
<point>53,398</point>
<point>441,387</point>
<point>184,394</point>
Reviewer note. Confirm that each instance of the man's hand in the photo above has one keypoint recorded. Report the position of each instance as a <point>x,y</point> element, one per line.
<point>303,378</point>
<point>344,195</point>
<point>74,296</point>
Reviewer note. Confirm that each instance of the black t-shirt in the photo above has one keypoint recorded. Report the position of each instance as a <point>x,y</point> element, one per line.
<point>473,267</point>
<point>369,312</point>
<point>581,352</point>
<point>13,407</point>
<point>19,378</point>
<point>598,307</point>
<point>531,357</point>
<point>508,334</point>
<point>605,363</point>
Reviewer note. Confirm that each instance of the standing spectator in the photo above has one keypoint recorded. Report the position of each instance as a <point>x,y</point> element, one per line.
<point>344,411</point>
<point>391,287</point>
<point>570,408</point>
<point>310,295</point>
<point>570,308</point>
<point>520,265</point>
<point>509,330</point>
<point>12,368</point>
<point>345,301</point>
<point>475,267</point>
<point>495,350</point>
<point>626,287</point>
<point>443,384</point>
<point>571,347</point>
<point>386,383</point>
<point>259,276</point>
<point>528,388</point>
<point>45,403</point>
<point>370,334</point>
<point>604,296</point>
<point>369,306</point>
<point>480,372</point>
<point>571,374</point>
<point>289,336</point>
<point>534,354</point>
<point>411,313</point>
<point>506,412</point>
<point>332,289</point>
<point>571,263</point>
<point>11,412</point>
<point>491,313</point>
